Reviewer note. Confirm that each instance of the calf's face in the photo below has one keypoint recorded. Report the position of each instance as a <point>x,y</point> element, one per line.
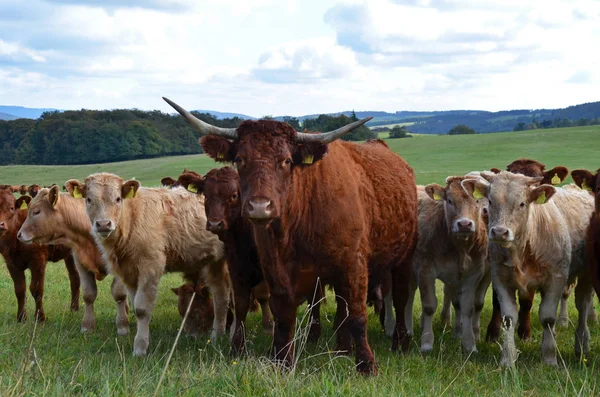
<point>103,194</point>
<point>463,212</point>
<point>44,223</point>
<point>9,208</point>
<point>201,311</point>
<point>510,197</point>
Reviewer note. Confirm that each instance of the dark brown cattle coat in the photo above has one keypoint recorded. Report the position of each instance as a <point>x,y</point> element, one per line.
<point>345,218</point>
<point>19,257</point>
<point>222,204</point>
<point>591,182</point>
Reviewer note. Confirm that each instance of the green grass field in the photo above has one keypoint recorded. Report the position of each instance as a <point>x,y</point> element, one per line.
<point>56,359</point>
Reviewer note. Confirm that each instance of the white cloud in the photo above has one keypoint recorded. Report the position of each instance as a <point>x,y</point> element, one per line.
<point>296,57</point>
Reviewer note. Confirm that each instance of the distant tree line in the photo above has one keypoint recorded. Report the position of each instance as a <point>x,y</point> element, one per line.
<point>92,136</point>
<point>461,129</point>
<point>325,123</point>
<point>556,123</point>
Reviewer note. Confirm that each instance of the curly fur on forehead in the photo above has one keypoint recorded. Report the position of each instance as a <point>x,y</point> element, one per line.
<point>222,174</point>
<point>266,127</point>
<point>527,167</point>
<point>103,178</point>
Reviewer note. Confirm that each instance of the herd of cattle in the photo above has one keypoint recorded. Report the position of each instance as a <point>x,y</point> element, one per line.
<point>302,211</point>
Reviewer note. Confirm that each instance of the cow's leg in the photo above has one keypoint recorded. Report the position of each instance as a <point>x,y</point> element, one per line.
<point>220,289</point>
<point>143,304</point>
<point>36,288</point>
<point>479,303</point>
<point>89,292</point>
<point>266,319</point>
<point>508,308</point>
<point>584,302</point>
<point>119,294</point>
<point>456,297</point>
<point>563,312</point>
<point>20,284</point>
<point>525,304</point>
<point>446,307</point>
<point>429,306</point>
<point>401,278</point>
<point>314,331</point>
<point>493,329</point>
<point>74,281</point>
<point>284,310</point>
<point>389,320</point>
<point>467,306</point>
<point>548,308</point>
<point>340,325</point>
<point>353,288</point>
<point>241,296</point>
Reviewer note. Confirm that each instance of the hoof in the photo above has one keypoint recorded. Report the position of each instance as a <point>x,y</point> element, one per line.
<point>139,353</point>
<point>426,348</point>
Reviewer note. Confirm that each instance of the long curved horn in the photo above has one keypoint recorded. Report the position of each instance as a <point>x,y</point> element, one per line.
<point>204,128</point>
<point>330,136</point>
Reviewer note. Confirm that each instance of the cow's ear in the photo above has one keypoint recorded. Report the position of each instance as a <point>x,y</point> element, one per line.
<point>23,202</point>
<point>76,188</point>
<point>129,189</point>
<point>218,148</point>
<point>541,194</point>
<point>192,183</point>
<point>175,291</point>
<point>53,196</point>
<point>475,188</point>
<point>495,170</point>
<point>555,176</point>
<point>33,190</point>
<point>584,179</point>
<point>435,191</point>
<point>168,181</point>
<point>308,153</point>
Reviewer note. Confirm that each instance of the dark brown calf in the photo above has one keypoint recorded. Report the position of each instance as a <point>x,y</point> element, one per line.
<point>19,256</point>
<point>322,209</point>
<point>591,182</point>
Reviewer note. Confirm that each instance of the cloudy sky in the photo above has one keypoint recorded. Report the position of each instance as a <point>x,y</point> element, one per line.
<point>296,57</point>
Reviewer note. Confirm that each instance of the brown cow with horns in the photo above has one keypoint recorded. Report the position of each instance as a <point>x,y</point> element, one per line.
<point>319,206</point>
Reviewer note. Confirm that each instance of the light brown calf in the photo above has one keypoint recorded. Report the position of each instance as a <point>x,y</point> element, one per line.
<point>144,233</point>
<point>532,229</point>
<point>56,218</point>
<point>452,247</point>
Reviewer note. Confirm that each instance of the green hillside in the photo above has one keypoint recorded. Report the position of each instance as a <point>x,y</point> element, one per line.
<point>432,157</point>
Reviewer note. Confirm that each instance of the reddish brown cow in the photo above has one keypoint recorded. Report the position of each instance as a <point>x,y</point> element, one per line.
<point>591,182</point>
<point>323,209</point>
<point>33,190</point>
<point>21,189</point>
<point>555,176</point>
<point>221,187</point>
<point>19,256</point>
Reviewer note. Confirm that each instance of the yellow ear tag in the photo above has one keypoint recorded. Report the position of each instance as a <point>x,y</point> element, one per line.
<point>192,188</point>
<point>541,199</point>
<point>76,193</point>
<point>308,159</point>
<point>555,180</point>
<point>23,205</point>
<point>436,196</point>
<point>478,194</point>
<point>585,186</point>
<point>55,201</point>
<point>220,155</point>
<point>131,193</point>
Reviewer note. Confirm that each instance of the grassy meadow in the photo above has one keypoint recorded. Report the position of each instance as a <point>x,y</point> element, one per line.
<point>56,359</point>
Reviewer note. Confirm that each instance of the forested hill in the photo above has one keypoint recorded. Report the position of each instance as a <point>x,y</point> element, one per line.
<point>92,136</point>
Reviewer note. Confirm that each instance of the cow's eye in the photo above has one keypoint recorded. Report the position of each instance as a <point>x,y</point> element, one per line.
<point>238,160</point>
<point>118,200</point>
<point>36,212</point>
<point>288,161</point>
<point>88,200</point>
<point>522,205</point>
<point>449,201</point>
<point>12,209</point>
<point>234,197</point>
